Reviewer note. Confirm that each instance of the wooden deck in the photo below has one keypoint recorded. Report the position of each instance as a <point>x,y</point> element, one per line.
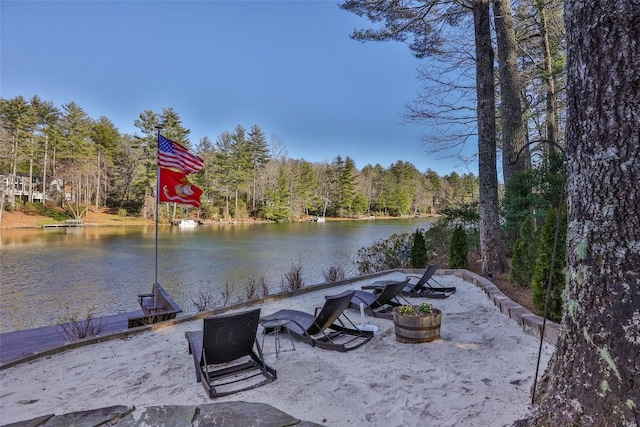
<point>26,343</point>
<point>67,223</point>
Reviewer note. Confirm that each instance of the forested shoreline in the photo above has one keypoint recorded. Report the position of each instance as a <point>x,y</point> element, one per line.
<point>88,163</point>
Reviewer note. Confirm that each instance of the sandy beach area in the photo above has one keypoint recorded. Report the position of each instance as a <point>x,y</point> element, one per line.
<point>479,373</point>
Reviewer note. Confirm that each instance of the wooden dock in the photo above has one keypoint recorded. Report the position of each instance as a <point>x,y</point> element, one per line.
<point>67,223</point>
<point>18,345</point>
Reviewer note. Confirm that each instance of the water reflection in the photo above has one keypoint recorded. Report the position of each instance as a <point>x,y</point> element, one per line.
<point>45,272</point>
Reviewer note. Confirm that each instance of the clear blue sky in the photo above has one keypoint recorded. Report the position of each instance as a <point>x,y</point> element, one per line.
<point>288,66</point>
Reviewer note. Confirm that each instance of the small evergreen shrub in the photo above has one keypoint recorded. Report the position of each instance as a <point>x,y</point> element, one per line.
<point>31,208</point>
<point>48,210</point>
<point>459,248</point>
<point>419,256</point>
<point>543,265</point>
<point>467,215</point>
<point>523,261</point>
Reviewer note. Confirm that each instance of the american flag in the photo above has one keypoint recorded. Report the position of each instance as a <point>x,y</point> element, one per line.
<point>175,156</point>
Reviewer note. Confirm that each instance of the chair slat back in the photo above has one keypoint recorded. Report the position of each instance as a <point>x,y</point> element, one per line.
<point>426,276</point>
<point>230,336</point>
<point>390,291</point>
<point>331,310</point>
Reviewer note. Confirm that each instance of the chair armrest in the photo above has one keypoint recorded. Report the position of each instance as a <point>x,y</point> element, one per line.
<point>359,300</point>
<point>144,297</point>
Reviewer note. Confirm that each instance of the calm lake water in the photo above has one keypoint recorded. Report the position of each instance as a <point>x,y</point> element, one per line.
<point>45,272</point>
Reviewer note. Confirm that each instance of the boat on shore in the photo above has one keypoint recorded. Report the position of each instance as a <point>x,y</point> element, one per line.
<point>321,218</point>
<point>185,223</point>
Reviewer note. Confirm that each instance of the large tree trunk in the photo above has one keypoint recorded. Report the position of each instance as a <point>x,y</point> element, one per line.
<point>44,169</point>
<point>98,184</point>
<point>31,176</point>
<point>548,77</point>
<point>490,246</point>
<point>13,174</point>
<point>515,153</point>
<point>593,378</point>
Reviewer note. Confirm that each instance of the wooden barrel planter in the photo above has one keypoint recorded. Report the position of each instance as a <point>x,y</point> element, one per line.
<point>418,328</point>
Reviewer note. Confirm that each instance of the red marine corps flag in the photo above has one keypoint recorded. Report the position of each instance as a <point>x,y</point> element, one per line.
<point>174,187</point>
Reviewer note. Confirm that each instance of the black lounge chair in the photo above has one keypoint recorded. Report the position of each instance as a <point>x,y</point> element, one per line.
<point>422,288</point>
<point>325,329</point>
<point>381,303</point>
<point>224,354</point>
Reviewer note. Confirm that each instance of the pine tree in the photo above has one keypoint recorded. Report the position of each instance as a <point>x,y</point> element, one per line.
<point>347,186</point>
<point>458,248</point>
<point>278,206</point>
<point>418,257</point>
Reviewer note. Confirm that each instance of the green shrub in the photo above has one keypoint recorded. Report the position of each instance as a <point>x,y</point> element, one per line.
<point>384,254</point>
<point>241,211</point>
<point>48,210</point>
<point>31,208</point>
<point>467,215</point>
<point>437,240</point>
<point>415,310</point>
<point>459,248</point>
<point>524,255</point>
<point>418,257</point>
<point>543,265</point>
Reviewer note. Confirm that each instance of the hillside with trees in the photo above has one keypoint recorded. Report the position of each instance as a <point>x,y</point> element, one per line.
<point>69,161</point>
